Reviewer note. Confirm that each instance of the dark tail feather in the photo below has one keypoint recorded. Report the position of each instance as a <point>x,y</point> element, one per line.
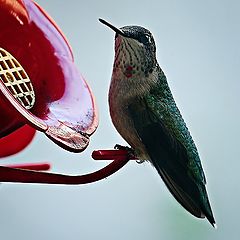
<point>171,160</point>
<point>191,200</point>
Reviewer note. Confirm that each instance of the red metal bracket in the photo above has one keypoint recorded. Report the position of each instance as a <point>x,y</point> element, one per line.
<point>31,166</point>
<point>13,174</point>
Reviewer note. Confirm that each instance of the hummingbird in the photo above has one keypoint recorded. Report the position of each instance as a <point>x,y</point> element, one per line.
<point>144,112</point>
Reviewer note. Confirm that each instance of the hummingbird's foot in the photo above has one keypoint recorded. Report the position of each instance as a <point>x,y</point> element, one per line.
<point>130,151</point>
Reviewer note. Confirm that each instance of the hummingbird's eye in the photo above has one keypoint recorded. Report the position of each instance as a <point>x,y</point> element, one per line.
<point>145,39</point>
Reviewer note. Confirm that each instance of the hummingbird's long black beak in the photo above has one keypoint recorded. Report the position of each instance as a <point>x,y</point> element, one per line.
<point>115,29</point>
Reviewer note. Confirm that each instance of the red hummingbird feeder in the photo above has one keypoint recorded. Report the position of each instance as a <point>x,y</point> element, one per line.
<point>41,89</point>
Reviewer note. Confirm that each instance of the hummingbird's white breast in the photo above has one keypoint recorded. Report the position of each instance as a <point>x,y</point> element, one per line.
<point>129,83</point>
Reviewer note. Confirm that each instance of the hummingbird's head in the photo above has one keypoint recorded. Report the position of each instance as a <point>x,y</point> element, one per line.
<point>135,49</point>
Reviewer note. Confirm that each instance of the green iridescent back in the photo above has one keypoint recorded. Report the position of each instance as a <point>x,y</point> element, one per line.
<point>162,104</point>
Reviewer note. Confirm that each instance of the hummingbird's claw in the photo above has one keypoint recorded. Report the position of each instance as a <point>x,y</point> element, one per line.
<point>130,151</point>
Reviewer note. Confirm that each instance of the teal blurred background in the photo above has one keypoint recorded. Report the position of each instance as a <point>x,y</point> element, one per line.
<point>198,49</point>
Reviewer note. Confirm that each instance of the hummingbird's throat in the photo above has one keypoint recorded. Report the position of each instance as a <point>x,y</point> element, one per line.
<point>127,59</point>
<point>129,70</point>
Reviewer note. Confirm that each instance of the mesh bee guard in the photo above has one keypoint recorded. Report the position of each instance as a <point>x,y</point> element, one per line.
<point>15,78</point>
